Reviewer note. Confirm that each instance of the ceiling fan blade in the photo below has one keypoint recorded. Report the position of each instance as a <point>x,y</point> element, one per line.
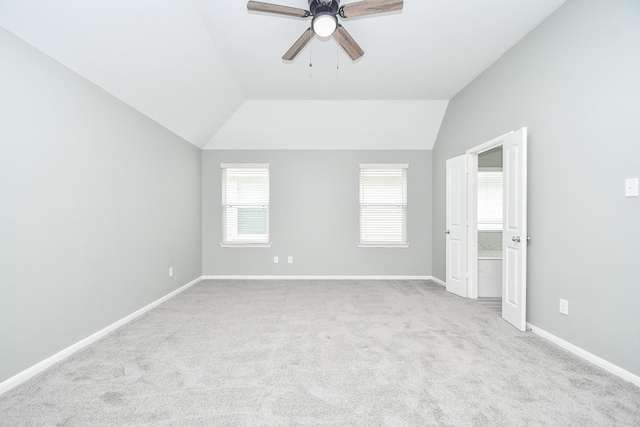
<point>369,7</point>
<point>300,44</point>
<point>258,6</point>
<point>347,42</point>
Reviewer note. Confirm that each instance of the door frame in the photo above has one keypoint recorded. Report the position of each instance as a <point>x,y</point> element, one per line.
<point>472,209</point>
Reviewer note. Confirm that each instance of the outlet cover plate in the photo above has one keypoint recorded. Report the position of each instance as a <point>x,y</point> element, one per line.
<point>631,187</point>
<point>564,307</point>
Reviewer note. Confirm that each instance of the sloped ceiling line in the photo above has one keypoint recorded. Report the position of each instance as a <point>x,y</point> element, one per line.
<point>210,71</point>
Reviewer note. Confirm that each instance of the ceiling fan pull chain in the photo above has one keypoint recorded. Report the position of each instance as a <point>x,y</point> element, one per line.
<point>310,60</point>
<point>310,50</point>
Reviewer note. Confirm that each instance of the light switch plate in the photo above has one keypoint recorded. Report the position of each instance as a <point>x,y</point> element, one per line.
<point>631,187</point>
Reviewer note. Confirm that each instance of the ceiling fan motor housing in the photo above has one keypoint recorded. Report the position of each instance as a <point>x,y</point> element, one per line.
<point>324,7</point>
<point>324,13</point>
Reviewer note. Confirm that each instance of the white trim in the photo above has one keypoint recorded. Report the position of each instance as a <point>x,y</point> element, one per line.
<point>472,226</point>
<point>244,165</point>
<point>495,142</point>
<point>63,354</point>
<point>437,281</point>
<point>245,245</point>
<point>383,245</point>
<point>589,357</point>
<point>316,278</point>
<point>384,166</point>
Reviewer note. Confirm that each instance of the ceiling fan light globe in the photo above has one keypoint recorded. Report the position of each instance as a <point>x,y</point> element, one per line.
<point>324,25</point>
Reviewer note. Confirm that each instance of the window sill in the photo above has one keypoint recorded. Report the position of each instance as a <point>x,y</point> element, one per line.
<point>245,245</point>
<point>383,245</point>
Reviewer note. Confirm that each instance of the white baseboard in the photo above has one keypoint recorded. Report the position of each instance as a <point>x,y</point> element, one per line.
<point>607,366</point>
<point>316,277</point>
<point>63,354</point>
<point>436,280</point>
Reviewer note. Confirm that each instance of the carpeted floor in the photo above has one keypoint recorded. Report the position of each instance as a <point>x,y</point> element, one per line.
<point>365,353</point>
<point>492,303</point>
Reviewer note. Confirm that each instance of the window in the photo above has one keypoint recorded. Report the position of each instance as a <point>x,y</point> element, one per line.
<point>383,205</point>
<point>489,200</point>
<point>245,204</point>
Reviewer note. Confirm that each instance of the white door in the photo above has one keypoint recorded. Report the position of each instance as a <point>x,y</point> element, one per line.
<point>514,235</point>
<point>456,226</point>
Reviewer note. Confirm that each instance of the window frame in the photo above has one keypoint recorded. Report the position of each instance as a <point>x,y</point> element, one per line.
<point>404,204</point>
<point>226,243</point>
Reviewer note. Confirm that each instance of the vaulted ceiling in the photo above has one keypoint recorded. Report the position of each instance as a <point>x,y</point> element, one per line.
<point>211,72</point>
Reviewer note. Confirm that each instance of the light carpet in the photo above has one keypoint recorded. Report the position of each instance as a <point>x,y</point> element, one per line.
<point>340,353</point>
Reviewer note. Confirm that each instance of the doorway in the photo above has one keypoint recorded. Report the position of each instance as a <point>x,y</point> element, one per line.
<point>489,209</point>
<point>464,198</point>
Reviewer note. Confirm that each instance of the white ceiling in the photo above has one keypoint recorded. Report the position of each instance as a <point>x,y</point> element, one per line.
<point>191,64</point>
<point>332,125</point>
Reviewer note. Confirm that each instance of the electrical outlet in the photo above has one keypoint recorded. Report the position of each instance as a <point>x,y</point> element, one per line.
<point>564,307</point>
<point>631,187</point>
<point>290,260</point>
<point>170,271</point>
<point>275,259</point>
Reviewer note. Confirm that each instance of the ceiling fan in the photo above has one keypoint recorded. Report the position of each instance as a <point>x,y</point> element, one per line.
<point>324,23</point>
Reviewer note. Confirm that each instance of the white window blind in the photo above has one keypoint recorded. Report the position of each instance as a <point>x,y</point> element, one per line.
<point>245,204</point>
<point>383,204</point>
<point>490,200</point>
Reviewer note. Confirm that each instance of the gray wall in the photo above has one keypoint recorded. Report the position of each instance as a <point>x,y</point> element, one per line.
<point>314,216</point>
<point>574,82</point>
<point>491,158</point>
<point>97,202</point>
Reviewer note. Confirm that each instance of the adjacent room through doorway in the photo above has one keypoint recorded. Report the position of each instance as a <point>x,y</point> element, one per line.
<point>489,219</point>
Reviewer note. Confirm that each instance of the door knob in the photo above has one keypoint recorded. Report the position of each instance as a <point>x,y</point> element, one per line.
<point>516,239</point>
<point>447,232</point>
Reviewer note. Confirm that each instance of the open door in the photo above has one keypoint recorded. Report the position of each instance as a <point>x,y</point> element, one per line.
<point>456,226</point>
<point>514,234</point>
